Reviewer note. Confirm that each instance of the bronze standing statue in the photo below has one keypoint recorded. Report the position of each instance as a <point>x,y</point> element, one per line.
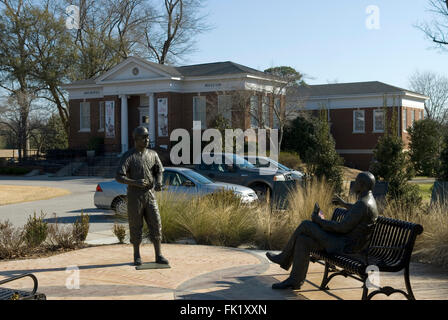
<point>142,170</point>
<point>351,235</point>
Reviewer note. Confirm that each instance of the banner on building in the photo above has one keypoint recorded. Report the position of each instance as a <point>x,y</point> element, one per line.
<point>110,119</point>
<point>162,112</point>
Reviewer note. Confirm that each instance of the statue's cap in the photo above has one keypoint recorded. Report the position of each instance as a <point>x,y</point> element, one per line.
<point>367,178</point>
<point>141,131</point>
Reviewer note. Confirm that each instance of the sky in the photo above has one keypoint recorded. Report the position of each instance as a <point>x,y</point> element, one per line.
<point>327,40</point>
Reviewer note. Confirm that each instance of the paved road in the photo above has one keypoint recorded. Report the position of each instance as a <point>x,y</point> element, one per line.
<point>67,208</point>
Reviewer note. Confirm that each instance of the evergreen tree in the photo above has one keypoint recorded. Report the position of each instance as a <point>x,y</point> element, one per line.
<point>325,162</point>
<point>394,166</point>
<point>426,143</point>
<point>442,172</point>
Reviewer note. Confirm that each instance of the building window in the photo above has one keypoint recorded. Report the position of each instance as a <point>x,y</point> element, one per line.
<point>359,121</point>
<point>405,119</point>
<point>225,107</point>
<point>378,120</point>
<point>101,116</point>
<point>412,117</point>
<point>84,116</point>
<point>277,107</point>
<point>265,112</point>
<point>254,112</point>
<point>199,111</point>
<point>421,115</point>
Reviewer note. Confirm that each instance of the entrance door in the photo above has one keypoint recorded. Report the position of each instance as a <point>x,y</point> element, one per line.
<point>144,115</point>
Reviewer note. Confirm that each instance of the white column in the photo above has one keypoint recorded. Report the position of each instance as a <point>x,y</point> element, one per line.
<point>152,119</point>
<point>124,124</point>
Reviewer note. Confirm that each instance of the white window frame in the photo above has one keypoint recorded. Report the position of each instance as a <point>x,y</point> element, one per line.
<point>200,115</point>
<point>102,111</point>
<point>225,107</point>
<point>354,121</point>
<point>404,117</point>
<point>81,116</point>
<point>421,115</point>
<point>254,121</point>
<point>374,120</point>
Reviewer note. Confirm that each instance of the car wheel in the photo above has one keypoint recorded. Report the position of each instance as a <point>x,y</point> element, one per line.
<point>263,192</point>
<point>120,205</point>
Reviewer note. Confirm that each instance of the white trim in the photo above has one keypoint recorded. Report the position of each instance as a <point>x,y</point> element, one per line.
<point>124,63</point>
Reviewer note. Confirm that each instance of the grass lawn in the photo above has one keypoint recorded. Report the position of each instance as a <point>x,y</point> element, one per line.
<point>17,194</point>
<point>425,191</point>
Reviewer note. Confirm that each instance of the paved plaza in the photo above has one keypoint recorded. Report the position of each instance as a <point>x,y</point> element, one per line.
<point>197,273</point>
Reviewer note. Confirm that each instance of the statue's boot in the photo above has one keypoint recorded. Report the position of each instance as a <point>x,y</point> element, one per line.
<point>159,258</point>
<point>137,258</point>
<point>287,284</point>
<point>276,258</point>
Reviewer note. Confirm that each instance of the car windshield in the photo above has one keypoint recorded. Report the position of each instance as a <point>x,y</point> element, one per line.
<point>279,165</point>
<point>241,163</point>
<point>264,163</point>
<point>197,176</point>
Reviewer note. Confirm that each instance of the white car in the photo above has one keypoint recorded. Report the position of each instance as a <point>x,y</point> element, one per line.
<point>111,194</point>
<point>265,162</point>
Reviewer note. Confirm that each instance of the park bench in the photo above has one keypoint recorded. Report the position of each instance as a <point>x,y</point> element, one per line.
<point>389,250</point>
<point>13,294</point>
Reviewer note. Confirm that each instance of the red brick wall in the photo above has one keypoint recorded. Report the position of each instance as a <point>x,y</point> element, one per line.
<point>80,140</point>
<point>180,115</point>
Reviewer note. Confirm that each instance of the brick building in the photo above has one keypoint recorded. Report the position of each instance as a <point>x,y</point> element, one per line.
<point>358,114</point>
<point>163,98</point>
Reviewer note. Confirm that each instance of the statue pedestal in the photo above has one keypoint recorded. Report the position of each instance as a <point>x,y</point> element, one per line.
<point>152,265</point>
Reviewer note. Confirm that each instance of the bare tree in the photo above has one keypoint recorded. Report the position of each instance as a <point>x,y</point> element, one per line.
<point>435,86</point>
<point>173,32</point>
<point>437,30</point>
<point>15,115</point>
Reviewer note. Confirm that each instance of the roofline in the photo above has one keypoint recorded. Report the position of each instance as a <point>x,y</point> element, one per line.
<point>342,96</point>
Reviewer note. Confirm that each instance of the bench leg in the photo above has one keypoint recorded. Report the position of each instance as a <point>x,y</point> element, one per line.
<point>365,290</point>
<point>323,285</point>
<point>407,281</point>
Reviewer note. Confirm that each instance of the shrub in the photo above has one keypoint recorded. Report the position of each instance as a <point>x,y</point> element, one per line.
<point>11,241</point>
<point>14,171</point>
<point>299,136</point>
<point>81,228</point>
<point>425,146</point>
<point>217,219</point>
<point>61,237</point>
<point>35,230</point>
<point>291,160</point>
<point>120,232</point>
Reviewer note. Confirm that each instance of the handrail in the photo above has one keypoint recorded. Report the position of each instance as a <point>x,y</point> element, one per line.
<point>32,276</point>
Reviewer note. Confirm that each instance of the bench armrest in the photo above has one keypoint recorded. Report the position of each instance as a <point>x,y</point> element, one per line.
<point>32,276</point>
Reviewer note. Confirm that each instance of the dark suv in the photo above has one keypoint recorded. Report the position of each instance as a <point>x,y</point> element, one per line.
<point>242,172</point>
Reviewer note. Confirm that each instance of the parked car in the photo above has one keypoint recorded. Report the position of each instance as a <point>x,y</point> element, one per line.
<point>265,162</point>
<point>238,170</point>
<point>111,195</point>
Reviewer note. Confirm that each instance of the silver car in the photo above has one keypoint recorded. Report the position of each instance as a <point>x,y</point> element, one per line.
<point>265,162</point>
<point>111,195</point>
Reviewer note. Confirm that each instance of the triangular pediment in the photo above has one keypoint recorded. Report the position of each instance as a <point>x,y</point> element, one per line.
<point>134,69</point>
